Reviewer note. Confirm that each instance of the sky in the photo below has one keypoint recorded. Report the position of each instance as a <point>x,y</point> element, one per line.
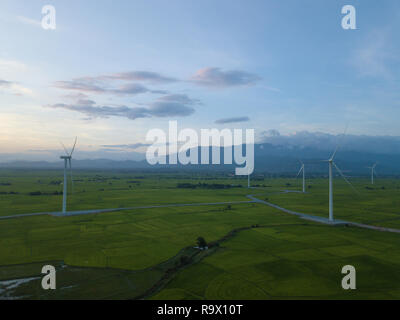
<point>113,70</point>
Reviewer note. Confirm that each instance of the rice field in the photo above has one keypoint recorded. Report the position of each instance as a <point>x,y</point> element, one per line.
<point>138,253</point>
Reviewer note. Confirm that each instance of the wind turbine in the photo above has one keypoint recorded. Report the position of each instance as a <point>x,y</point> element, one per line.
<point>331,165</point>
<point>67,160</point>
<point>304,175</point>
<point>372,172</point>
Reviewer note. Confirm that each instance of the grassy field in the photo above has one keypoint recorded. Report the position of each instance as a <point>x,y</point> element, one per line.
<point>294,262</point>
<point>97,190</point>
<point>377,204</point>
<point>137,253</point>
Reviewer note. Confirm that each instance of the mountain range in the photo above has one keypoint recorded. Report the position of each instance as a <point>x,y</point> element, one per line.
<point>269,158</point>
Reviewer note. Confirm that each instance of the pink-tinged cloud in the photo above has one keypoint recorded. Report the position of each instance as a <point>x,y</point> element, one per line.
<point>217,78</point>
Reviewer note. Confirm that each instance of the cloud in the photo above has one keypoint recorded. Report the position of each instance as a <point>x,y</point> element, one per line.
<point>376,57</point>
<point>216,78</point>
<point>94,111</point>
<point>80,84</point>
<point>14,88</point>
<point>93,153</point>
<point>232,120</point>
<point>166,106</point>
<point>93,85</point>
<point>134,88</point>
<point>76,96</point>
<point>12,66</point>
<point>131,88</point>
<point>4,83</point>
<point>29,21</point>
<point>140,76</point>
<point>179,98</point>
<point>132,146</point>
<point>271,133</point>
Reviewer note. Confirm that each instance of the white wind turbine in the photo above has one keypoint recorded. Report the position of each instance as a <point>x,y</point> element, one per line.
<point>67,160</point>
<point>372,172</point>
<point>304,175</point>
<point>331,165</point>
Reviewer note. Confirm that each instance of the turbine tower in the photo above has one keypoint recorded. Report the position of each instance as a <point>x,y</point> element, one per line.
<point>304,175</point>
<point>67,160</point>
<point>372,172</point>
<point>248,178</point>
<point>331,165</point>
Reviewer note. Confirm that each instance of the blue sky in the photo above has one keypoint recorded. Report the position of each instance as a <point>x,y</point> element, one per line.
<point>112,70</point>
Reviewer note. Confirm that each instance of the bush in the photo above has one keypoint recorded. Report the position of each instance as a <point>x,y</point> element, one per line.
<point>201,242</point>
<point>35,193</point>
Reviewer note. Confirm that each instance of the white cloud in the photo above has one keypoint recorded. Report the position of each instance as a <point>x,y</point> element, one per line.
<point>375,56</point>
<point>14,88</point>
<point>30,21</point>
<point>11,66</point>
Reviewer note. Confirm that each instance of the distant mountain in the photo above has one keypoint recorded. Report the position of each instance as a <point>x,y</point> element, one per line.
<point>269,158</point>
<point>328,142</point>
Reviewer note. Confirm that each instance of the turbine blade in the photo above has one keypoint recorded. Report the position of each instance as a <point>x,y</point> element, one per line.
<point>73,148</point>
<point>341,142</point>
<point>299,171</point>
<point>334,153</point>
<point>345,179</point>
<point>65,149</point>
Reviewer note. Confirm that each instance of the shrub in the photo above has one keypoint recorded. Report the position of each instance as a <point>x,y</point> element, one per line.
<point>201,242</point>
<point>35,193</point>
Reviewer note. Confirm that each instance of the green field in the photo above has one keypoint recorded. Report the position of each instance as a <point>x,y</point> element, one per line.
<point>138,253</point>
<point>377,204</point>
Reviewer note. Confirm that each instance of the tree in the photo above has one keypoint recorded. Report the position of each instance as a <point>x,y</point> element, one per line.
<point>201,242</point>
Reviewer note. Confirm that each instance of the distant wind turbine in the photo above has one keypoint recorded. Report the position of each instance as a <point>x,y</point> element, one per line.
<point>67,160</point>
<point>372,172</point>
<point>304,175</point>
